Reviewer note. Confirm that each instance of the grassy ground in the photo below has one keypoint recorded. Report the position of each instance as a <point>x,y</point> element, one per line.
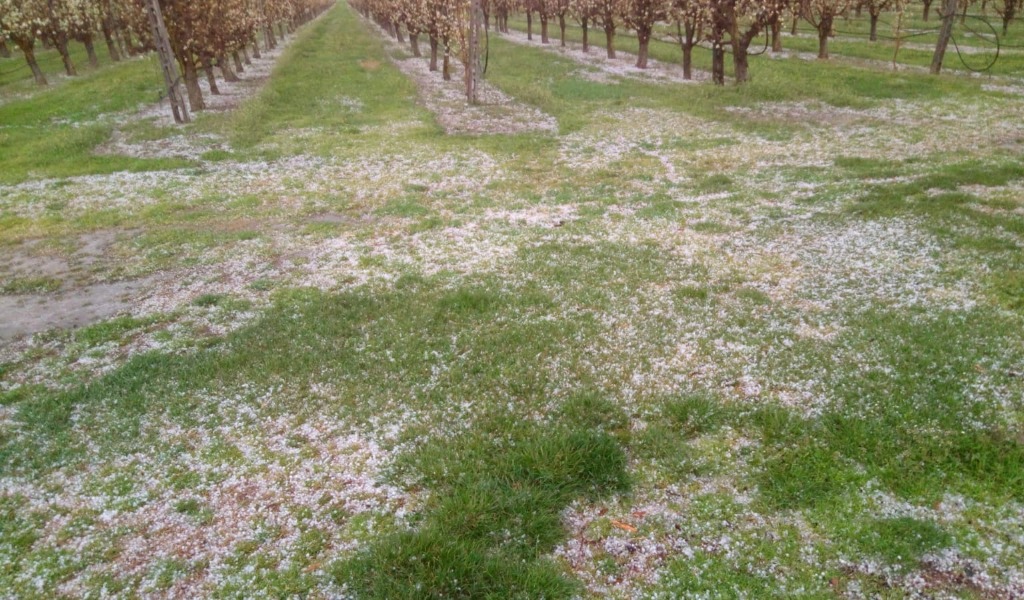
<point>759,341</point>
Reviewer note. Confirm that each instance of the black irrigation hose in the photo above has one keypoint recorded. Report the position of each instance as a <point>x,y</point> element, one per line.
<point>14,70</point>
<point>994,39</point>
<point>767,41</point>
<point>961,56</point>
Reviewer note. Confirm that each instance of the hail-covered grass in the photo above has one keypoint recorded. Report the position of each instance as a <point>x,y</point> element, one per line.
<point>666,341</point>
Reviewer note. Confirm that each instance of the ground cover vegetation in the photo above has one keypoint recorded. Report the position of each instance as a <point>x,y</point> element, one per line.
<point>675,340</point>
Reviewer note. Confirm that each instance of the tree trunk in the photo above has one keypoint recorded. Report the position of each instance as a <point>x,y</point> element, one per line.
<point>586,39</point>
<point>280,30</point>
<point>446,72</point>
<point>90,51</point>
<point>687,39</point>
<point>740,62</point>
<point>398,33</point>
<point>529,25</point>
<point>945,32</point>
<point>115,56</point>
<point>210,78</point>
<point>433,53</point>
<point>269,41</point>
<point>122,43</point>
<point>874,27</point>
<point>609,35</point>
<point>796,21</point>
<point>824,28</point>
<point>225,68</point>
<point>544,29</point>
<point>5,52</point>
<point>414,43</point>
<point>255,48</point>
<point>644,40</point>
<point>28,50</point>
<point>561,26</point>
<point>718,63</point>
<point>235,58</point>
<point>245,56</point>
<point>777,34</point>
<point>61,43</point>
<point>191,75</point>
<point>927,8</point>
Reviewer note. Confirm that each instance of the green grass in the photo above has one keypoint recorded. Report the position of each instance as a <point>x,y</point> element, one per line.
<point>495,515</point>
<point>336,59</point>
<point>53,132</point>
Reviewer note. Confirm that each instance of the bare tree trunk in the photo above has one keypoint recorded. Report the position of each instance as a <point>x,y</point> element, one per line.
<point>237,60</point>
<point>529,25</point>
<point>796,21</point>
<point>874,27</point>
<point>115,56</point>
<point>609,35</point>
<point>561,26</point>
<point>28,49</point>
<point>741,65</point>
<point>245,56</point>
<point>123,44</point>
<point>414,43</point>
<point>5,52</point>
<point>717,63</point>
<point>687,35</point>
<point>433,53</point>
<point>225,68</point>
<point>644,39</point>
<point>90,51</point>
<point>210,78</point>
<point>61,43</point>
<point>824,28</point>
<point>777,34</point>
<point>268,37</point>
<point>255,47</point>
<point>586,40</point>
<point>398,33</point>
<point>927,8</point>
<point>544,29</point>
<point>740,58</point>
<point>195,93</point>
<point>446,72</point>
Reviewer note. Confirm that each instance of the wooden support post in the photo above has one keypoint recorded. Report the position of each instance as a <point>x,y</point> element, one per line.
<point>167,64</point>
<point>945,32</point>
<point>474,64</point>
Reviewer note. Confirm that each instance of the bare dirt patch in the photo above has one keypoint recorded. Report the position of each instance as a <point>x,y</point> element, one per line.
<point>32,313</point>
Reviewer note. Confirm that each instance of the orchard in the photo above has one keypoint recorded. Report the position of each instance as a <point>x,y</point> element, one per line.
<point>511,299</point>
